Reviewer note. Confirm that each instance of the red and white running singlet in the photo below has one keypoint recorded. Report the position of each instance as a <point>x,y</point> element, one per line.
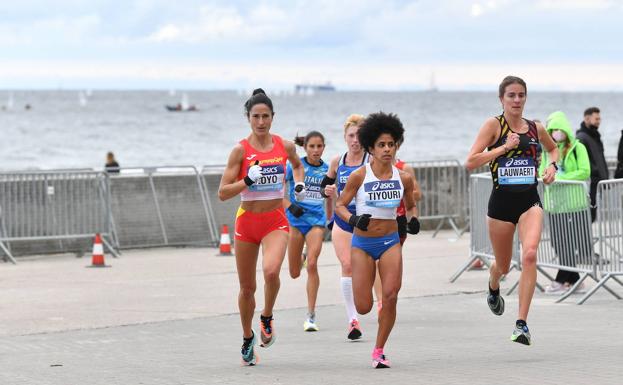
<point>271,185</point>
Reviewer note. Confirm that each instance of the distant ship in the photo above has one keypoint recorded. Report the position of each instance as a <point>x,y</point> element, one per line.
<point>308,88</point>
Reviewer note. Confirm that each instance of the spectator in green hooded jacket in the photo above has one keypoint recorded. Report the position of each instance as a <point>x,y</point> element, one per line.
<point>567,205</point>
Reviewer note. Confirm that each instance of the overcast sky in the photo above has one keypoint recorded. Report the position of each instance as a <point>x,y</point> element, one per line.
<point>384,45</point>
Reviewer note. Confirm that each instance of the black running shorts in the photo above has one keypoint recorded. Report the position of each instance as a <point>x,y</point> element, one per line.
<point>508,206</point>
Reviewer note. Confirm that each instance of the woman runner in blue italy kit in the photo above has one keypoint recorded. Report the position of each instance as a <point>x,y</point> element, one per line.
<point>308,219</point>
<point>341,233</point>
<point>512,143</point>
<point>378,189</point>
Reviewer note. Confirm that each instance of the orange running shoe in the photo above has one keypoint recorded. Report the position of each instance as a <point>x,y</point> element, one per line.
<point>267,334</point>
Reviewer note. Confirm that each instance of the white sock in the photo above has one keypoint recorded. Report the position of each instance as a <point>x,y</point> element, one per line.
<point>349,301</point>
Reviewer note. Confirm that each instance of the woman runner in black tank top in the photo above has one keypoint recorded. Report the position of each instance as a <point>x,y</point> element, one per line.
<point>512,143</point>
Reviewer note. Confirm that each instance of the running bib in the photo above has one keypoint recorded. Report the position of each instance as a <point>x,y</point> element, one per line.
<point>516,171</point>
<point>387,193</point>
<point>271,180</point>
<point>312,190</point>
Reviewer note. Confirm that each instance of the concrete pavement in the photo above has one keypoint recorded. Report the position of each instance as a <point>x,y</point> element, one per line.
<point>169,316</point>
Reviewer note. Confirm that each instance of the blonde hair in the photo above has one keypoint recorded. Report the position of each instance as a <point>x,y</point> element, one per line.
<point>353,120</point>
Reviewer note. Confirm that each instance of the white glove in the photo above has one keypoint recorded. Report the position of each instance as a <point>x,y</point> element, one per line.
<point>254,173</point>
<point>299,191</point>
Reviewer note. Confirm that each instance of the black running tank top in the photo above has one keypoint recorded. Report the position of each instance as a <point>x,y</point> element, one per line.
<point>516,170</point>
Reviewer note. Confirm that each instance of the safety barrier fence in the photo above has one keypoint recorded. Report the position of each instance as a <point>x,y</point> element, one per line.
<point>53,211</point>
<point>224,212</point>
<point>610,234</point>
<point>177,205</point>
<point>161,206</point>
<point>567,235</point>
<point>480,245</point>
<point>612,166</point>
<point>443,185</point>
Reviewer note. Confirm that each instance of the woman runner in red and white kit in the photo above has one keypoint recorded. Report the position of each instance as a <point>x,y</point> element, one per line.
<point>256,170</point>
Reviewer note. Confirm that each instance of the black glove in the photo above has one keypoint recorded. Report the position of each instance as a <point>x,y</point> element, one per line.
<point>402,225</point>
<point>413,227</point>
<point>360,221</point>
<point>295,210</point>
<point>325,182</point>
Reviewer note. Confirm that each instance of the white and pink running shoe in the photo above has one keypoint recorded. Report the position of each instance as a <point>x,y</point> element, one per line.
<point>379,361</point>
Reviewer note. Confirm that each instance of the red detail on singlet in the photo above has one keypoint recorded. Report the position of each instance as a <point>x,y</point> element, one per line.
<point>401,210</point>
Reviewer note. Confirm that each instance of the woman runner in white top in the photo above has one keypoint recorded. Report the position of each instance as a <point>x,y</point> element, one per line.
<point>378,188</point>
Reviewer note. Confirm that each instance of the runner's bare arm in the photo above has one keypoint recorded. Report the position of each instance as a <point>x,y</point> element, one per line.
<point>352,185</point>
<point>552,150</point>
<point>408,196</point>
<point>298,171</point>
<point>486,137</point>
<point>330,189</point>
<point>417,192</point>
<point>230,186</point>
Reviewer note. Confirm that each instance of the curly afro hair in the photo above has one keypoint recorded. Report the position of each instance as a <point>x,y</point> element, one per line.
<point>377,124</point>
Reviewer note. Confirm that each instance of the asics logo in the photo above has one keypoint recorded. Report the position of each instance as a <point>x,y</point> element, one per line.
<point>387,242</point>
<point>251,156</point>
<point>382,185</point>
<point>516,162</point>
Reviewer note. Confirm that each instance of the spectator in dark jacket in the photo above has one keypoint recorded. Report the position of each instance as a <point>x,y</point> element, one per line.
<point>618,173</point>
<point>590,137</point>
<point>112,167</point>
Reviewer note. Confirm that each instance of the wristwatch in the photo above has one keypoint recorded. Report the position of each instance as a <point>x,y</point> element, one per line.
<point>555,165</point>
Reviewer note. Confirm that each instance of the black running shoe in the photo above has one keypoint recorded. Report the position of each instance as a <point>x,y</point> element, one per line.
<point>496,304</point>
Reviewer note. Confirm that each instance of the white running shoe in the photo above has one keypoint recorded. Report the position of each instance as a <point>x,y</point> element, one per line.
<point>556,288</point>
<point>310,323</point>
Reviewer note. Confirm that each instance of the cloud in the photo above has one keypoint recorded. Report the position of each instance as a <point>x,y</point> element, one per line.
<point>356,44</point>
<point>575,4</point>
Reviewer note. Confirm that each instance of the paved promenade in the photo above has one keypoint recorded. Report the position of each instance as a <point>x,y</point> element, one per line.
<point>169,316</point>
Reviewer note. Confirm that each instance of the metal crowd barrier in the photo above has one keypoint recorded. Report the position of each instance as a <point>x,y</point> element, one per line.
<point>612,166</point>
<point>443,192</point>
<point>160,206</point>
<point>610,234</point>
<point>223,213</point>
<point>480,245</point>
<point>566,239</point>
<point>53,211</point>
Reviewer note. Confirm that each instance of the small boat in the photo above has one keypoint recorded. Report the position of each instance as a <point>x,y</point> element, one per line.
<point>179,108</point>
<point>182,106</point>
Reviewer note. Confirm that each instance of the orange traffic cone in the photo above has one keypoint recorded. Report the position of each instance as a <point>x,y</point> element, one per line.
<point>98,253</point>
<point>225,245</point>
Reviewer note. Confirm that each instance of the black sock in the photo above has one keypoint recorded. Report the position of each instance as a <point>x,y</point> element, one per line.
<point>266,318</point>
<point>520,323</point>
<point>248,340</point>
<point>495,292</point>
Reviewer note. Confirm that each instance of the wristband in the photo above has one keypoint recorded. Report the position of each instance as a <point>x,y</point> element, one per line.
<point>248,181</point>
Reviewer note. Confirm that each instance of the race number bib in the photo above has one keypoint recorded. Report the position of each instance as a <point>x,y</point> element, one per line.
<point>516,171</point>
<point>312,191</point>
<point>271,180</point>
<point>383,193</point>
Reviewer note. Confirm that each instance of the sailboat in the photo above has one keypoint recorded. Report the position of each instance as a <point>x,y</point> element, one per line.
<point>82,99</point>
<point>9,103</point>
<point>433,86</point>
